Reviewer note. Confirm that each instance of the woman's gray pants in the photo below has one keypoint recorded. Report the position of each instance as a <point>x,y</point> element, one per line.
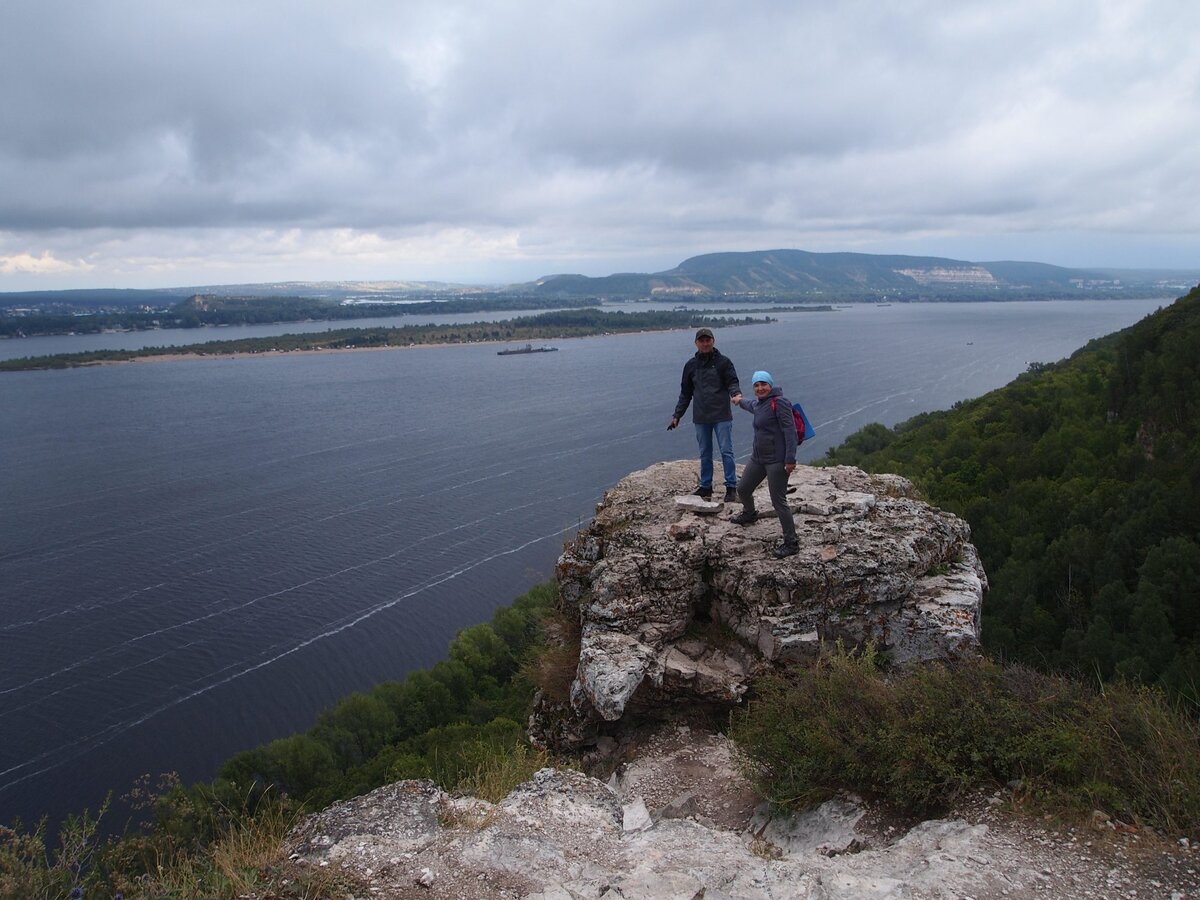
<point>777,479</point>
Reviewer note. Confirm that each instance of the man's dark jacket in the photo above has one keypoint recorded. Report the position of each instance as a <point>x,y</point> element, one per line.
<point>710,380</point>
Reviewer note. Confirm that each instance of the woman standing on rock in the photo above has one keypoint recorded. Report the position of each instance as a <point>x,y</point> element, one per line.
<point>773,458</point>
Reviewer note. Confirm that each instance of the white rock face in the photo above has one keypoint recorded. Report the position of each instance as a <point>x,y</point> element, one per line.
<point>654,578</point>
<point>566,835</point>
<point>679,821</point>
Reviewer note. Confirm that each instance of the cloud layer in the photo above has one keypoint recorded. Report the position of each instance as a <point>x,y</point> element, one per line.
<point>145,144</point>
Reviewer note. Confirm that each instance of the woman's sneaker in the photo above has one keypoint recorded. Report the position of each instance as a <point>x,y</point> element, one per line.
<point>744,518</point>
<point>731,495</point>
<point>786,550</point>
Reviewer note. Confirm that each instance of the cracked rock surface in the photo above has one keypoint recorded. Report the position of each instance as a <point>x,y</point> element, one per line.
<point>677,820</point>
<point>677,604</point>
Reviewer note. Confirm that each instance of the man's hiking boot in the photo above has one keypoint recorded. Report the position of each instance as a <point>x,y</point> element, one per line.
<point>744,518</point>
<point>731,495</point>
<point>703,492</point>
<point>786,549</point>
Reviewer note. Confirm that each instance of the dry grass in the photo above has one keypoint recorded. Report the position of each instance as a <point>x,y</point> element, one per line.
<point>468,816</point>
<point>494,778</point>
<point>552,668</point>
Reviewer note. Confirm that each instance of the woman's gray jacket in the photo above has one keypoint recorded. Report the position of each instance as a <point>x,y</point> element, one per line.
<point>774,429</point>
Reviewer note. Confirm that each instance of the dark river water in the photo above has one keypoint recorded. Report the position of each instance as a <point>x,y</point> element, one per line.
<point>197,557</point>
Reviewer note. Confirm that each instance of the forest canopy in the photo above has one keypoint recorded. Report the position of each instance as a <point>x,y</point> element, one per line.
<point>1081,482</point>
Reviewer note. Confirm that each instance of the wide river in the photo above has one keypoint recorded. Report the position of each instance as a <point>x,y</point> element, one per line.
<point>199,556</point>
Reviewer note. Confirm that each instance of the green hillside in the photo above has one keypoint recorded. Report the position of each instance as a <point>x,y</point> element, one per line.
<point>1081,481</point>
<point>852,276</point>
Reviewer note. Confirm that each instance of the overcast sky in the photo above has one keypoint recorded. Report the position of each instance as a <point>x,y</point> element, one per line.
<point>150,143</point>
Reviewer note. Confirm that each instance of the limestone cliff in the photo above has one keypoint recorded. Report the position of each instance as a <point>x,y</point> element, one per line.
<point>677,605</point>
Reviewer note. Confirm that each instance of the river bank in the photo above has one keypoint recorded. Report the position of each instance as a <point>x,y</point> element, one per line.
<point>546,326</point>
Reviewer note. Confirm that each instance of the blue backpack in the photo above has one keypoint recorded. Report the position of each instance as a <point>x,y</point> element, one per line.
<point>804,428</point>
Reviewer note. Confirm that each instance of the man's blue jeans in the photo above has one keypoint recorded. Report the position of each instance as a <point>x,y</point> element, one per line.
<point>704,437</point>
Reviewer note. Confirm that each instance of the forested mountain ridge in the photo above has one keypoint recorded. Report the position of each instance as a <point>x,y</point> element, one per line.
<point>1081,481</point>
<point>854,276</point>
<point>775,274</point>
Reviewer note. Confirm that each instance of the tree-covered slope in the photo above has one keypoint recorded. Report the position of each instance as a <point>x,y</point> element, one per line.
<point>1081,481</point>
<point>848,276</point>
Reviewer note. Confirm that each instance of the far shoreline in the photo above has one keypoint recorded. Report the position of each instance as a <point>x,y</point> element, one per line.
<point>255,354</point>
<point>547,327</point>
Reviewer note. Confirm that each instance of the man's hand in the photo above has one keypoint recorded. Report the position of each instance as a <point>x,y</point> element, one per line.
<point>674,422</point>
<point>735,399</point>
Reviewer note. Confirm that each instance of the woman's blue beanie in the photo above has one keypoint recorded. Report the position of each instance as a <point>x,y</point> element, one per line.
<point>762,376</point>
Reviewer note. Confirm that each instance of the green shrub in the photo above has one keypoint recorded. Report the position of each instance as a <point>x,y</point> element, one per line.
<point>28,867</point>
<point>921,738</point>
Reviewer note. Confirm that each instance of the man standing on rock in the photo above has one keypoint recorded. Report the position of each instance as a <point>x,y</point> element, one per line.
<point>709,382</point>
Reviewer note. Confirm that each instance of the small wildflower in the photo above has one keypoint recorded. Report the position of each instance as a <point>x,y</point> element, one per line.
<point>76,893</point>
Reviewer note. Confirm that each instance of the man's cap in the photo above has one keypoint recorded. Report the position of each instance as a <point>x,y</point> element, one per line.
<point>703,333</point>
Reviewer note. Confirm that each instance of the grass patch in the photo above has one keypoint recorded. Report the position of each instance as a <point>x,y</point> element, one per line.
<point>244,857</point>
<point>921,738</point>
<point>552,666</point>
<point>232,865</point>
<point>30,867</point>
<point>502,769</point>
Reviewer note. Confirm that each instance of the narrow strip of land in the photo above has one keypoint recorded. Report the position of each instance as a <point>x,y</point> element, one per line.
<point>546,326</point>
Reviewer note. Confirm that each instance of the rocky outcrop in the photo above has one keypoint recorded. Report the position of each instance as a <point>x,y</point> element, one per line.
<point>679,821</point>
<point>679,609</point>
<point>566,836</point>
<point>677,604</point>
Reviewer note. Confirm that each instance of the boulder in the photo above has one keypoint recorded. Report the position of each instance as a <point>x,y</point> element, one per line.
<point>679,605</point>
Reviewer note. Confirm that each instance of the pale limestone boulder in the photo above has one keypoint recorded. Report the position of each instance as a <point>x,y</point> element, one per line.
<point>681,606</point>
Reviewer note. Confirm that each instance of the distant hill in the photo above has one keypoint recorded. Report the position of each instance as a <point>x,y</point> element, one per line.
<point>858,276</point>
<point>762,274</point>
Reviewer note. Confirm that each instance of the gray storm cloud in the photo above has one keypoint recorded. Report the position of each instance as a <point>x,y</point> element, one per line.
<point>153,140</point>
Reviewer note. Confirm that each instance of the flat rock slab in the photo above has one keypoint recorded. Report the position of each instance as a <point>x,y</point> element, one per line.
<point>699,505</point>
